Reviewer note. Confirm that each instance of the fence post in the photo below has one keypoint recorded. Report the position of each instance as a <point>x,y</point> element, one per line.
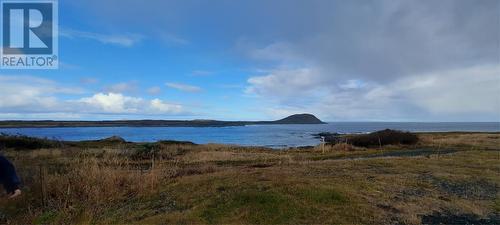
<point>323,144</point>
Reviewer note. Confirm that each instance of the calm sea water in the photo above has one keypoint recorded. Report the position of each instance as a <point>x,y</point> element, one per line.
<point>276,136</point>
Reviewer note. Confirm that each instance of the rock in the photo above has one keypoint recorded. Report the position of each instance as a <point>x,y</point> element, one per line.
<point>114,139</point>
<point>325,134</point>
<point>330,137</point>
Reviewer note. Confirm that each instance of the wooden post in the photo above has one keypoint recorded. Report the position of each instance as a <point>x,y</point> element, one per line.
<point>323,144</point>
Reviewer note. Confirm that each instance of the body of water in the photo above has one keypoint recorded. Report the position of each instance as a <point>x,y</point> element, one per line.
<point>276,136</point>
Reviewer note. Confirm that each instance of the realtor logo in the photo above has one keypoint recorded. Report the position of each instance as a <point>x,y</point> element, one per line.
<point>29,34</point>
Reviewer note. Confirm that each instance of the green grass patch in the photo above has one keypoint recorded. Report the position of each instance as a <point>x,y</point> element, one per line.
<point>252,206</point>
<point>497,205</point>
<point>137,209</point>
<point>49,217</point>
<point>324,196</point>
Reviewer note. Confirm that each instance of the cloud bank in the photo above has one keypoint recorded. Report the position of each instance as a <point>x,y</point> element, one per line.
<point>33,95</point>
<point>407,60</point>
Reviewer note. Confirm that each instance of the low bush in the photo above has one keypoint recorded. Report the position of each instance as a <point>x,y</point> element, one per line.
<point>162,149</point>
<point>20,142</point>
<point>379,138</point>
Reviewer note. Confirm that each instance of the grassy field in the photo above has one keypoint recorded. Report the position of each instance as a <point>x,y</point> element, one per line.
<point>449,178</point>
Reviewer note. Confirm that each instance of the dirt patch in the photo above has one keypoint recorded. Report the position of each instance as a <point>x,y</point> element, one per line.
<point>406,194</point>
<point>447,218</point>
<point>473,189</point>
<point>414,153</point>
<point>388,208</point>
<point>260,165</point>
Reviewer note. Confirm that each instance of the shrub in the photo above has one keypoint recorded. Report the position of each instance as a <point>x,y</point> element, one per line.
<point>20,142</point>
<point>379,138</point>
<point>162,149</point>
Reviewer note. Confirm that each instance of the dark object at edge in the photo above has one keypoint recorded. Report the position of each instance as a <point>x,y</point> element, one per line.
<point>8,175</point>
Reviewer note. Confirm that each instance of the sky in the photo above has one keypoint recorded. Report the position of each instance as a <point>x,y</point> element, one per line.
<point>356,60</point>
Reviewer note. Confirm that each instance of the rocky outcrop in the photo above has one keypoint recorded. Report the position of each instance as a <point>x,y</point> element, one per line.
<point>300,119</point>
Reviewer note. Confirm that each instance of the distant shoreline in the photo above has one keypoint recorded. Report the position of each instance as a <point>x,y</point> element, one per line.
<point>293,119</point>
<point>135,123</point>
<point>12,124</point>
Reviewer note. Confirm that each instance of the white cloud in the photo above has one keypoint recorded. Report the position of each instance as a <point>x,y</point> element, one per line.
<point>28,97</point>
<point>183,87</point>
<point>125,40</point>
<point>119,104</point>
<point>352,84</point>
<point>28,93</point>
<point>283,83</point>
<point>442,95</point>
<point>154,90</point>
<point>403,60</point>
<point>468,90</point>
<point>277,51</point>
<point>111,103</point>
<point>158,106</point>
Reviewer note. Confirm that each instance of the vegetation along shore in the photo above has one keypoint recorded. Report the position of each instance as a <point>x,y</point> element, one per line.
<point>388,178</point>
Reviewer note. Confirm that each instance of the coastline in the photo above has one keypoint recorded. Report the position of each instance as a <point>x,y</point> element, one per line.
<point>445,177</point>
<point>293,119</point>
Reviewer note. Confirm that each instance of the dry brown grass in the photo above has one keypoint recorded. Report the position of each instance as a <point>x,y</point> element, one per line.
<point>89,185</point>
<point>471,140</point>
<point>193,184</point>
<point>210,156</point>
<point>336,147</point>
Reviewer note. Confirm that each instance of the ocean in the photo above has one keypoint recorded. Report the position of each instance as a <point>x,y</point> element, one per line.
<point>275,136</point>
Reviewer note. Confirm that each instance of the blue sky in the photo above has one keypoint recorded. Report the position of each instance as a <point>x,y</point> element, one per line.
<point>252,60</point>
